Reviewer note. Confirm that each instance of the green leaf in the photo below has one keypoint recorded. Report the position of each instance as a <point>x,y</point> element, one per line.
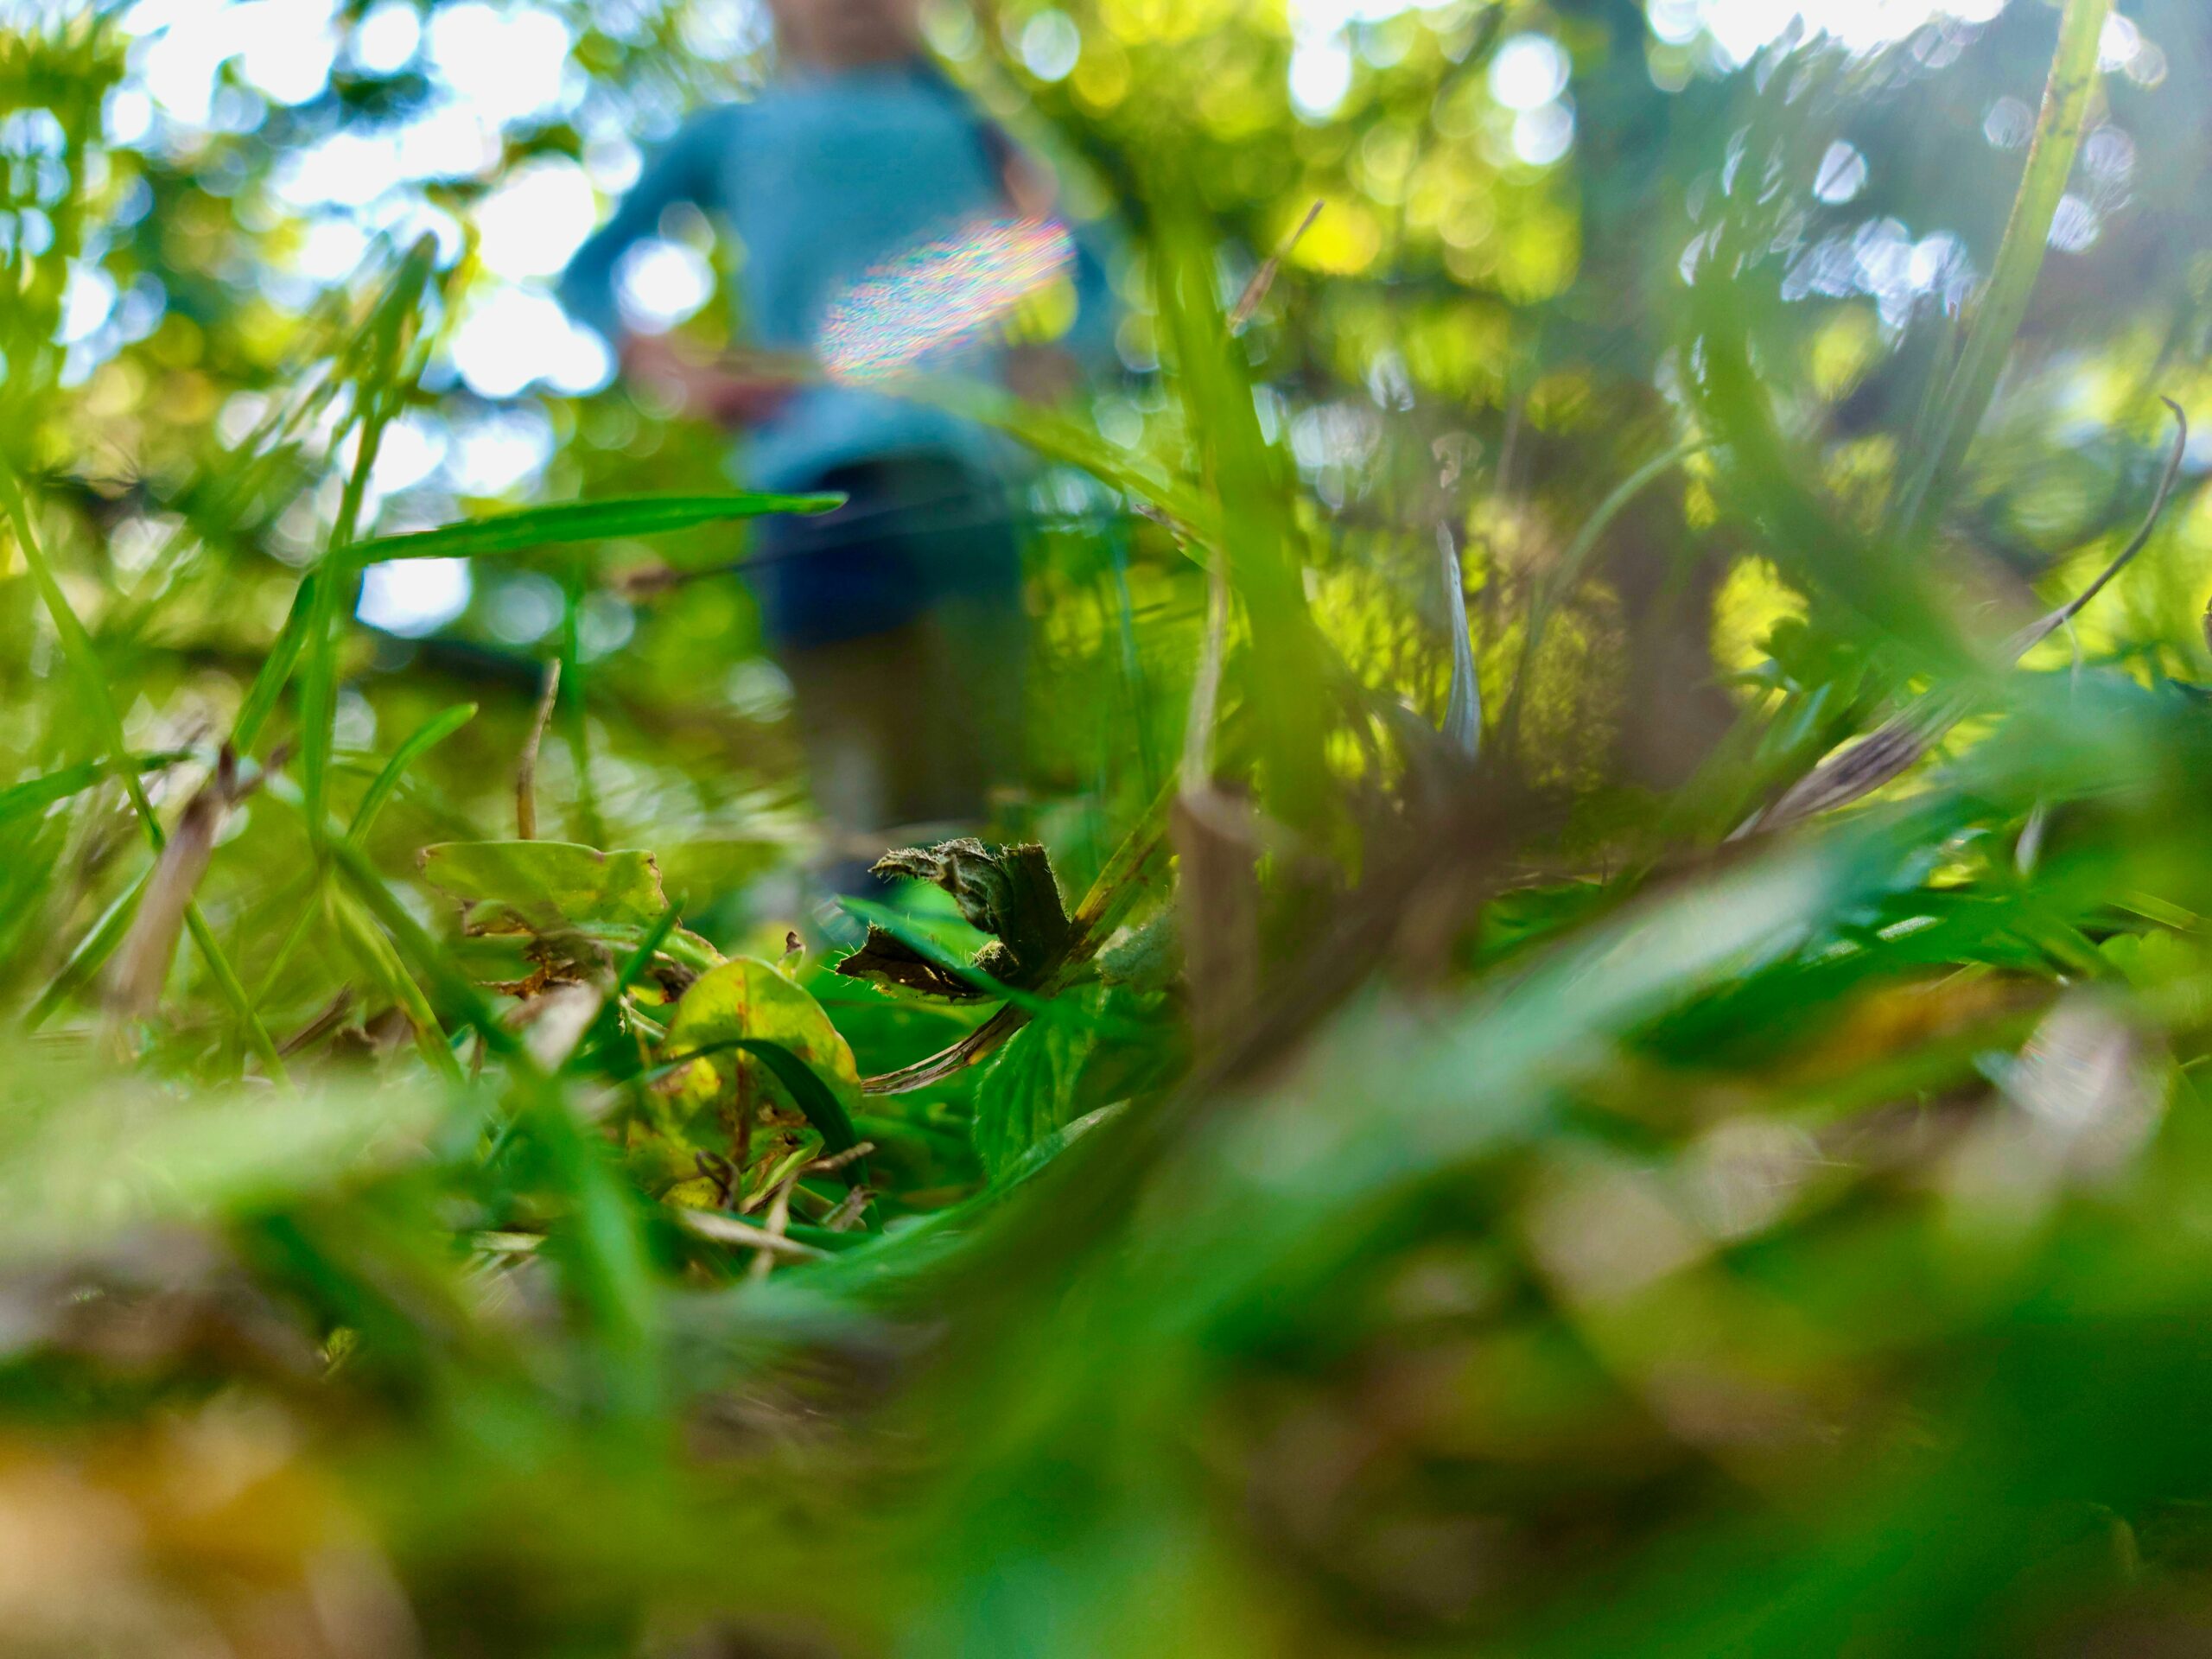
<point>1028,1091</point>
<point>755,1037</point>
<point>545,887</point>
<point>580,521</point>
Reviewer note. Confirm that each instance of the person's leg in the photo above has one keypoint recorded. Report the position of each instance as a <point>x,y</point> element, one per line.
<point>976,640</point>
<point>898,620</point>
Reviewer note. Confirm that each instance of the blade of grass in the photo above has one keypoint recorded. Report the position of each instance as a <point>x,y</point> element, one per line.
<point>92,952</point>
<point>1891,749</point>
<point>527,528</point>
<point>641,959</point>
<point>1217,887</point>
<point>1463,709</point>
<point>91,685</point>
<point>1943,445</point>
<point>417,743</point>
<point>1286,688</point>
<point>433,963</point>
<point>1247,302</point>
<point>34,794</point>
<point>381,789</point>
<point>267,685</point>
<point>391,975</point>
<point>378,391</point>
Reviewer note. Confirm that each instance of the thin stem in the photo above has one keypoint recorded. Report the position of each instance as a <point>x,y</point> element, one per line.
<point>2004,303</point>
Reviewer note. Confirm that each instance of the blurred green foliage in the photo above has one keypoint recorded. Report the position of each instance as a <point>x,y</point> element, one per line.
<point>1430,1184</point>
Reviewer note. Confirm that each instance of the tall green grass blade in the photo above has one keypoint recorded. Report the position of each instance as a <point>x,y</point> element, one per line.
<point>92,952</point>
<point>378,391</point>
<point>642,957</point>
<point>77,650</point>
<point>1287,690</point>
<point>417,743</point>
<point>575,720</point>
<point>295,937</point>
<point>234,992</point>
<point>380,790</point>
<point>383,965</point>
<point>529,528</point>
<point>35,794</point>
<point>1943,445</point>
<point>267,687</point>
<point>432,962</point>
<point>1463,704</point>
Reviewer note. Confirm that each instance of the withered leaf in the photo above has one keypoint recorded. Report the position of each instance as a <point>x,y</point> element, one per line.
<point>1008,892</point>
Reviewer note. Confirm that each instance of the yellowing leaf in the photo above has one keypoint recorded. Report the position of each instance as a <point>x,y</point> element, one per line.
<point>747,999</point>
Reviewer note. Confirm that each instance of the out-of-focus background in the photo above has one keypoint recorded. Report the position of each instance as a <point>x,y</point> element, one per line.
<point>1511,197</point>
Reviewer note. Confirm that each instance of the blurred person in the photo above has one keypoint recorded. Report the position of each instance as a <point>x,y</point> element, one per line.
<point>874,209</point>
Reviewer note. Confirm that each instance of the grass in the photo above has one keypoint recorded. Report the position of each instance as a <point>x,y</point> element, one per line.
<point>1406,1204</point>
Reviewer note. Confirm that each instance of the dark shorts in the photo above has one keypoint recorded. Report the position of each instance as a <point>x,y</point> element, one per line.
<point>916,532</point>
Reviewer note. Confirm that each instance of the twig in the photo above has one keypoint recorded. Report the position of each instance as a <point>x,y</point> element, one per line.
<point>832,1162</point>
<point>779,1217</point>
<point>743,1235</point>
<point>1264,277</point>
<point>142,965</point>
<point>2044,626</point>
<point>526,772</point>
<point>847,1215</point>
<point>321,1025</point>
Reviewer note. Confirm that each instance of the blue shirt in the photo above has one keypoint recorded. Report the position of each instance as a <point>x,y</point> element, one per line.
<point>826,179</point>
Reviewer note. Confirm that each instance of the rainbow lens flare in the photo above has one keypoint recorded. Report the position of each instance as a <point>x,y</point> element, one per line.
<point>940,292</point>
